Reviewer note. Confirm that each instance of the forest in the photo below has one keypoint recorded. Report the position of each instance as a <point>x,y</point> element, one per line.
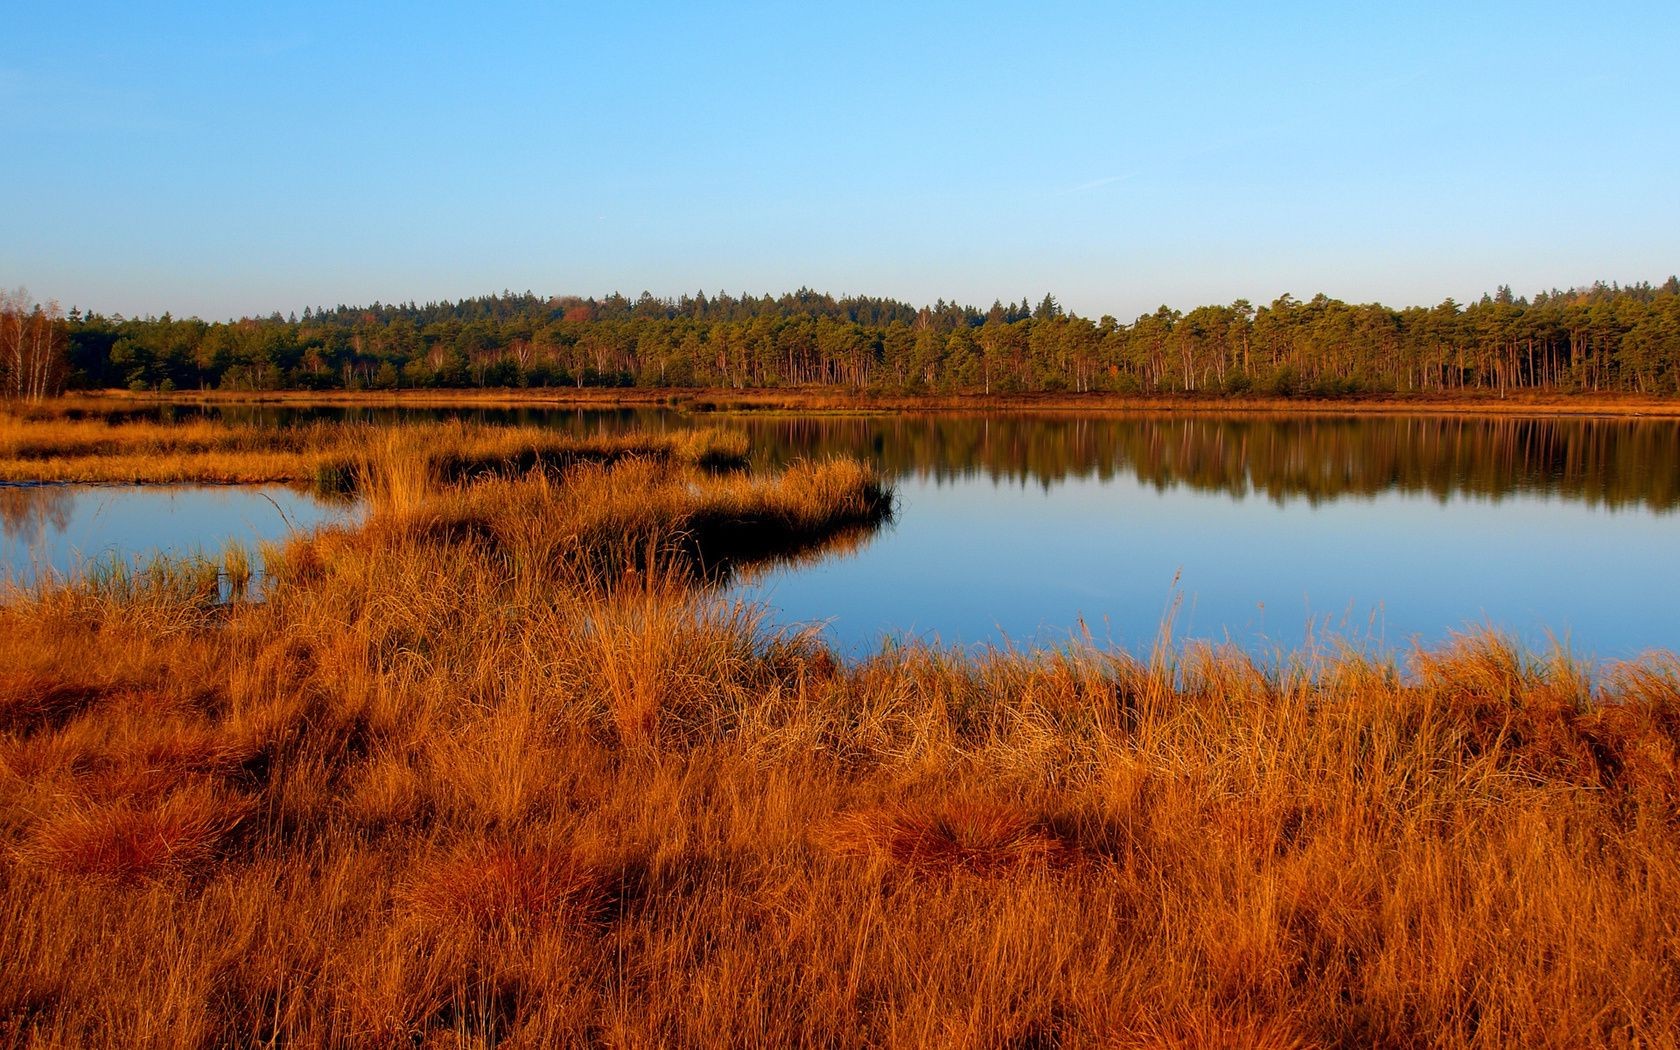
<point>1603,338</point>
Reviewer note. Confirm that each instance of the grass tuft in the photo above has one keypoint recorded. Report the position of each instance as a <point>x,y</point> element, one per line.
<point>129,841</point>
<point>30,699</point>
<point>979,837</point>
<point>494,884</point>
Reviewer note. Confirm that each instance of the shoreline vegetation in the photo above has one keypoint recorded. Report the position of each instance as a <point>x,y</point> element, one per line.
<point>1603,458</point>
<point>501,766</point>
<point>333,457</point>
<point>823,400</point>
<point>1610,460</point>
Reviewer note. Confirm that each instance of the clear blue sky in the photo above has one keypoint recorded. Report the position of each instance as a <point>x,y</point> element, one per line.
<point>237,159</point>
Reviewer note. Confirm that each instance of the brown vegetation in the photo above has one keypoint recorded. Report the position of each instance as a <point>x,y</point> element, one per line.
<point>52,446</point>
<point>831,399</point>
<point>494,769</point>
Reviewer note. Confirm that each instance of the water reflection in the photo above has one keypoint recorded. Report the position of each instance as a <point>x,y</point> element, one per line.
<point>754,567</point>
<point>60,529</point>
<point>1600,461</point>
<point>28,514</point>
<point>976,562</point>
<point>1259,529</point>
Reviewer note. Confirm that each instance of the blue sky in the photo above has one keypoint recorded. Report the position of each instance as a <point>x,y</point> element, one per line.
<point>222,161</point>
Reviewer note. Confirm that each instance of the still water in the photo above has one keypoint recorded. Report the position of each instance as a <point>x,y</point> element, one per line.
<point>54,530</point>
<point>1267,531</point>
<point>993,561</point>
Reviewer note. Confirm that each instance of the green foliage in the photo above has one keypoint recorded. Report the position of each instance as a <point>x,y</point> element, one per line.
<point>1602,338</point>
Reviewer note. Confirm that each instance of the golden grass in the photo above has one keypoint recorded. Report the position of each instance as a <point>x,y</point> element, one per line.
<point>493,770</point>
<point>821,399</point>
<point>982,837</point>
<point>56,448</point>
<point>127,841</point>
<point>489,884</point>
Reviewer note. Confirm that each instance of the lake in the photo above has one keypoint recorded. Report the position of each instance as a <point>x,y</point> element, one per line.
<point>1266,531</point>
<point>58,529</point>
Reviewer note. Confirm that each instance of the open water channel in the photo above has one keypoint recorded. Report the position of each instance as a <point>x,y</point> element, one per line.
<point>1266,531</point>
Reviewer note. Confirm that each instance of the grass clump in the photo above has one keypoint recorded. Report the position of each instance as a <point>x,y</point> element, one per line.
<point>981,837</point>
<point>493,884</point>
<point>129,840</point>
<point>333,457</point>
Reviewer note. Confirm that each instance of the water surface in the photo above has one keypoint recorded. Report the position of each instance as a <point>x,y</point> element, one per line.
<point>1265,530</point>
<point>60,529</point>
<point>1119,558</point>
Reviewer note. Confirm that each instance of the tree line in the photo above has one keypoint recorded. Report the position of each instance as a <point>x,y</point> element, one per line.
<point>1602,338</point>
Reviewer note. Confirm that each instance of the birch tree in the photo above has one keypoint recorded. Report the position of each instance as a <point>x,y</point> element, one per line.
<point>32,347</point>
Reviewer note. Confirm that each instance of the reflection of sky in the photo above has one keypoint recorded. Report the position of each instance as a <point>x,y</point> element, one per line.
<point>971,558</point>
<point>981,562</point>
<point>60,527</point>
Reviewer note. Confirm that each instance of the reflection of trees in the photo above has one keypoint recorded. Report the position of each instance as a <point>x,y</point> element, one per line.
<point>1609,462</point>
<point>27,511</point>
<point>1602,462</point>
<point>568,419</point>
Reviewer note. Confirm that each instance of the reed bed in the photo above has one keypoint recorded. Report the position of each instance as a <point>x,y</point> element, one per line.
<point>499,768</point>
<point>333,456</point>
<point>824,399</point>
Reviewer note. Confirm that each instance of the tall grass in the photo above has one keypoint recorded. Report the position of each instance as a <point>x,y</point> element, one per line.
<point>396,474</point>
<point>331,456</point>
<point>499,769</point>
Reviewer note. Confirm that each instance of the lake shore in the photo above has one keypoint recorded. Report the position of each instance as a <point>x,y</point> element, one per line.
<point>496,761</point>
<point>822,400</point>
<point>331,456</point>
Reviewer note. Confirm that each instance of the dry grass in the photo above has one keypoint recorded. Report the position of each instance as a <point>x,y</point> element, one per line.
<point>954,835</point>
<point>59,448</point>
<point>126,841</point>
<point>495,884</point>
<point>820,399</point>
<point>499,769</point>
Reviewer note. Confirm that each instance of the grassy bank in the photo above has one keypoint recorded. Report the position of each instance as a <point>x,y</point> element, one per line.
<point>499,768</point>
<point>832,400</point>
<point>50,446</point>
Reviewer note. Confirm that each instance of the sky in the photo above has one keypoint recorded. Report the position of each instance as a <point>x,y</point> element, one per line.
<point>231,160</point>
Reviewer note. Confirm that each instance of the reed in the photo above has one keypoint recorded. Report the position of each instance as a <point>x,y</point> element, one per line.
<point>331,456</point>
<point>236,568</point>
<point>825,399</point>
<point>396,474</point>
<point>501,767</point>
